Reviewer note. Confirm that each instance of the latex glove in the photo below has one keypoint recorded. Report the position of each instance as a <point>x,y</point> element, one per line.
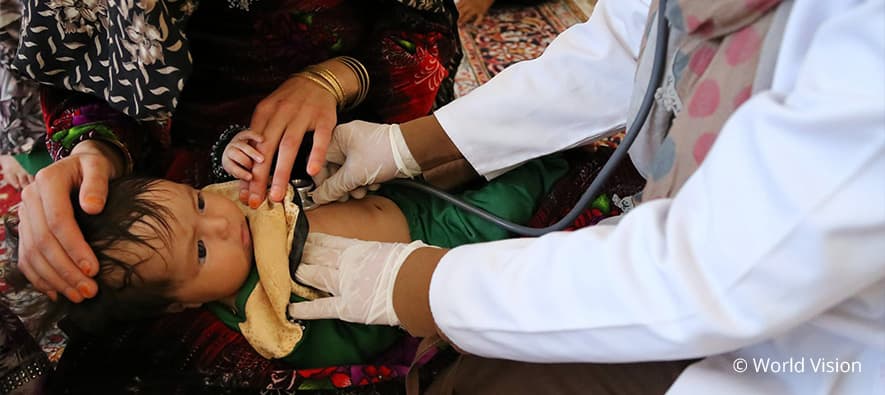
<point>362,154</point>
<point>359,274</point>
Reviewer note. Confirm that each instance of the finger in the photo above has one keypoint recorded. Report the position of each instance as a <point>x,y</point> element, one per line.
<point>239,158</point>
<point>288,150</point>
<point>262,115</point>
<point>321,176</point>
<point>336,243</point>
<point>272,134</point>
<point>244,190</point>
<point>332,189</point>
<point>374,187</point>
<point>239,172</point>
<point>322,135</point>
<point>322,278</point>
<point>45,257</point>
<point>64,241</point>
<point>250,135</point>
<point>323,308</point>
<point>359,193</point>
<point>36,281</point>
<point>248,150</point>
<point>26,256</point>
<point>45,271</point>
<point>258,184</point>
<point>478,19</point>
<point>466,15</point>
<point>93,188</point>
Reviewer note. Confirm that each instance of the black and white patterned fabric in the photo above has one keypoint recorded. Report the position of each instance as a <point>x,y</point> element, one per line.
<point>133,54</point>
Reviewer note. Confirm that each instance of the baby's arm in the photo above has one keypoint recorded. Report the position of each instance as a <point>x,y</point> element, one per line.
<point>373,218</point>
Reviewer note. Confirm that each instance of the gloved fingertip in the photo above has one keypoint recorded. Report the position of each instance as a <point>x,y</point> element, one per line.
<point>358,193</point>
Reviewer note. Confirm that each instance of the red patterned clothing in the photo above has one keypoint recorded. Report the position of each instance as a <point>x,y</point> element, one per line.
<point>239,57</point>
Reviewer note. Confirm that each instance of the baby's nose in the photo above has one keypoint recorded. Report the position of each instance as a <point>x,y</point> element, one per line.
<point>219,226</point>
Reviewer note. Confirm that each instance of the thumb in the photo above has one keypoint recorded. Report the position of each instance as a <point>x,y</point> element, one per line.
<point>93,189</point>
<point>323,308</point>
<point>334,187</point>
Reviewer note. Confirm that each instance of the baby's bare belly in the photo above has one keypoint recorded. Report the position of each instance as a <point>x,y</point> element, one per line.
<point>371,218</point>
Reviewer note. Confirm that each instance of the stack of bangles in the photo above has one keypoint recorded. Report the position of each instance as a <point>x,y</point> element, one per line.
<point>327,79</point>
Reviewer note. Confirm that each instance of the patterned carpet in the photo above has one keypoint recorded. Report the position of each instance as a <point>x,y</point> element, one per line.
<point>508,35</point>
<point>511,34</point>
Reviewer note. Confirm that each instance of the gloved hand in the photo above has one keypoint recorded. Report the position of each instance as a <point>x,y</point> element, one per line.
<point>359,274</point>
<point>362,154</point>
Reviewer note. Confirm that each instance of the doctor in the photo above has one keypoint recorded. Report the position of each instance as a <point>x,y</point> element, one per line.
<point>758,246</point>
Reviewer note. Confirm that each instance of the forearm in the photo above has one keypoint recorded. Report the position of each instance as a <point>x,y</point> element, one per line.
<point>411,293</point>
<point>578,90</point>
<point>429,143</point>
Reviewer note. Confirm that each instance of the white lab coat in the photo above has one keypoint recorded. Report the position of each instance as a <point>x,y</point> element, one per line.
<point>774,249</point>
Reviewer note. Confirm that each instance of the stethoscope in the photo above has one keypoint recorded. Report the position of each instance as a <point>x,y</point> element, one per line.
<point>605,173</point>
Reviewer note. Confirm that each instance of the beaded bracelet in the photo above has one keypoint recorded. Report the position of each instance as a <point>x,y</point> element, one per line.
<point>218,174</point>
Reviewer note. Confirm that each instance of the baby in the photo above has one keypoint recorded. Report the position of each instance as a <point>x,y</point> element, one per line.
<point>164,247</point>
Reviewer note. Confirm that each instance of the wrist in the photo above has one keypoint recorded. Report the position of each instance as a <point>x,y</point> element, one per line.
<point>117,161</point>
<point>350,84</point>
<point>428,142</point>
<point>411,291</point>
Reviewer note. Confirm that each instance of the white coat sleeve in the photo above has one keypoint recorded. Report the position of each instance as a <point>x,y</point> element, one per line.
<point>541,106</point>
<point>782,221</point>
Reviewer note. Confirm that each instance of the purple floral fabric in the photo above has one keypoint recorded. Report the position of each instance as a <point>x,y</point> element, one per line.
<point>21,123</point>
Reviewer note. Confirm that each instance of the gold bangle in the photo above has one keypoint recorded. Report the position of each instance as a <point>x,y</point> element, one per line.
<point>362,76</point>
<point>323,84</point>
<point>332,80</point>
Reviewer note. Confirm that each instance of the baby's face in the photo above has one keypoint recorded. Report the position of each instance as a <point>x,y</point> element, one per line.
<point>209,253</point>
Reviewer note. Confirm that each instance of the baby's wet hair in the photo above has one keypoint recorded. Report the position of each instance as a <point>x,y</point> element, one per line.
<point>123,294</point>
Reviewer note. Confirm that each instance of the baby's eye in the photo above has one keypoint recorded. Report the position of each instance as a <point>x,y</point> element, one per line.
<point>201,251</point>
<point>201,204</point>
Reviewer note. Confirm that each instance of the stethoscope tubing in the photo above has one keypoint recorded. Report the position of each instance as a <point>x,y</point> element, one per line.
<point>657,73</point>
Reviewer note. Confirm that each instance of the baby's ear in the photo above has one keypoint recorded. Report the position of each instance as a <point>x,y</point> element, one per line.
<point>177,307</point>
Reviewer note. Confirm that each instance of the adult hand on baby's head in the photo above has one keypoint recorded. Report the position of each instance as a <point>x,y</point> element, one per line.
<point>295,108</point>
<point>52,253</point>
<point>359,274</point>
<point>360,155</point>
<point>240,155</point>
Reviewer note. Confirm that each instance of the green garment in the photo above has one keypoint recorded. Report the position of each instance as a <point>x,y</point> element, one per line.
<point>512,196</point>
<point>325,342</point>
<point>35,160</point>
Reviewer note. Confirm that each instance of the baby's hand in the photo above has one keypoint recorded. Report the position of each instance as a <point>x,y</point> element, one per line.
<point>240,155</point>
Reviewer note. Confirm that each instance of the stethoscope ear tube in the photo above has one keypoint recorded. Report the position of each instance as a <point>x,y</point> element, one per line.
<point>607,170</point>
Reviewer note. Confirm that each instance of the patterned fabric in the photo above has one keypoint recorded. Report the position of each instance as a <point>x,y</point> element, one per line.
<point>22,365</point>
<point>241,57</point>
<point>21,123</point>
<point>134,55</point>
<point>193,353</point>
<point>585,164</point>
<point>711,75</point>
<point>509,35</point>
